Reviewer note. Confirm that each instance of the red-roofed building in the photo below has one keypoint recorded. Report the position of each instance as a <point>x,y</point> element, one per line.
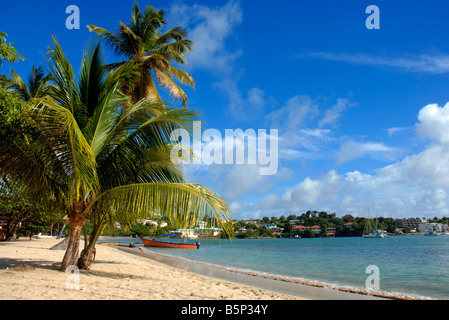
<point>331,232</point>
<point>349,225</point>
<point>316,229</point>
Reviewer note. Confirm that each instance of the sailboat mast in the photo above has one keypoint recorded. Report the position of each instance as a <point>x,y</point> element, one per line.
<point>376,222</point>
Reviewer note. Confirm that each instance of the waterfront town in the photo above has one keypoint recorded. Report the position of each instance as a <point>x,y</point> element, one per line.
<point>307,225</point>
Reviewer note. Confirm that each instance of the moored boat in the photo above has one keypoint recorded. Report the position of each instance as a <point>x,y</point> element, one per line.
<point>370,232</point>
<point>164,244</point>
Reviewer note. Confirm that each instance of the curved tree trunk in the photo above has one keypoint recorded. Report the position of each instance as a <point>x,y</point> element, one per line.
<point>72,252</point>
<point>77,218</point>
<point>62,230</point>
<point>87,257</point>
<point>88,254</point>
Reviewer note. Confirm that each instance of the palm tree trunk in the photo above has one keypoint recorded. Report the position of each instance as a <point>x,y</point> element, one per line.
<point>62,230</point>
<point>77,218</point>
<point>88,254</point>
<point>72,252</point>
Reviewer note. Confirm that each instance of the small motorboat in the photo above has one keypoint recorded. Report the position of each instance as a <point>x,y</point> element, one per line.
<point>174,245</point>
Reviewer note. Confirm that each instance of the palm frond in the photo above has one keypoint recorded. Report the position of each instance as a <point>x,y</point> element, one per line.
<point>176,50</point>
<point>112,40</point>
<point>15,84</point>
<point>69,145</point>
<point>183,76</point>
<point>37,83</point>
<point>181,204</point>
<point>92,75</point>
<point>174,90</point>
<point>64,90</point>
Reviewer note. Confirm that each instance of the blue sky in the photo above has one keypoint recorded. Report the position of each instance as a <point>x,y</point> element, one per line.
<point>361,114</point>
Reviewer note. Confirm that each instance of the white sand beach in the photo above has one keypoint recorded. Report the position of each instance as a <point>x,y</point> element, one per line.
<point>29,270</point>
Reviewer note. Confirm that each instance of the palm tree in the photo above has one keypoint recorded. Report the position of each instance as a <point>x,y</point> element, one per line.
<point>104,161</point>
<point>143,44</point>
<point>37,85</point>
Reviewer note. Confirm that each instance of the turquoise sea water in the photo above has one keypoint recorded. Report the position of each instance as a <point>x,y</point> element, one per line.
<point>414,266</point>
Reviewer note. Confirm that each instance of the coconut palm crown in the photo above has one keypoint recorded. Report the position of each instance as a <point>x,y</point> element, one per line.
<point>142,43</point>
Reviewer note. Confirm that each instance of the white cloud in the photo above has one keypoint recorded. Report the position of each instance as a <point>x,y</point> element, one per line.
<point>294,114</point>
<point>209,28</point>
<point>335,112</point>
<point>395,130</point>
<point>434,122</point>
<point>243,108</point>
<point>351,150</point>
<point>408,63</point>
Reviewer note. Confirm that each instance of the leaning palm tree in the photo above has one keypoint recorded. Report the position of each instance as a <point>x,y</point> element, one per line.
<point>84,148</point>
<point>142,43</point>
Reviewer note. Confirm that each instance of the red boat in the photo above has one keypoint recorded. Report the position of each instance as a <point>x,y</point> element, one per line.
<point>162,244</point>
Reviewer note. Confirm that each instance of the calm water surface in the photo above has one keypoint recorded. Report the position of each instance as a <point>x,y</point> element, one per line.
<point>415,266</point>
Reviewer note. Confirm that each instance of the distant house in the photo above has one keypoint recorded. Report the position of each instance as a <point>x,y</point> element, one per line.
<point>331,232</point>
<point>411,223</point>
<point>207,231</point>
<point>349,225</point>
<point>241,230</point>
<point>201,231</point>
<point>315,229</point>
<point>433,227</point>
<point>148,221</point>
<point>270,225</point>
<point>348,217</point>
<point>186,233</point>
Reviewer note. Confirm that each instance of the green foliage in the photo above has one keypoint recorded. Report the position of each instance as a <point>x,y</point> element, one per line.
<point>29,212</point>
<point>308,234</point>
<point>143,229</point>
<point>11,120</point>
<point>7,51</point>
<point>36,86</point>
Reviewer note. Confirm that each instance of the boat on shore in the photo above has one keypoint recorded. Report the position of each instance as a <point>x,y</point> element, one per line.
<point>164,244</point>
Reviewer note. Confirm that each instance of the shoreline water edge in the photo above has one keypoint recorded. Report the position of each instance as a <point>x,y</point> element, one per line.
<point>307,289</point>
<point>114,263</point>
<point>390,288</point>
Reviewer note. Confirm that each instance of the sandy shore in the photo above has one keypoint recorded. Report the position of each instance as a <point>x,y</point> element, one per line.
<point>114,275</point>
